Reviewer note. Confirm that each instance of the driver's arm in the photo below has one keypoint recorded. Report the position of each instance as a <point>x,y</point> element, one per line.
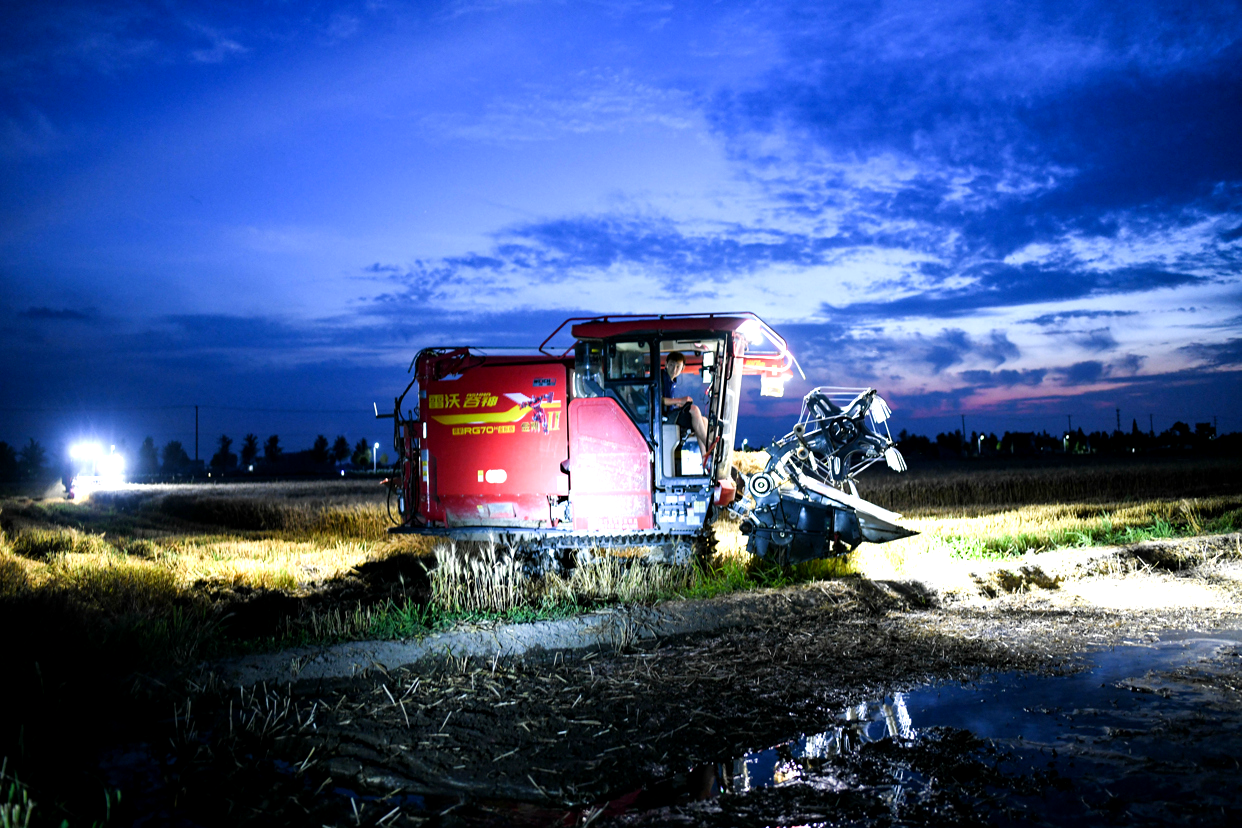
<point>666,391</point>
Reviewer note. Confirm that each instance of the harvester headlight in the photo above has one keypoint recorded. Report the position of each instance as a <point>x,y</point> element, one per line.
<point>86,451</point>
<point>752,329</point>
<point>111,467</point>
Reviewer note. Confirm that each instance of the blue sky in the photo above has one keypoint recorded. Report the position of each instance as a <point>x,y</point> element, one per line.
<point>1012,211</point>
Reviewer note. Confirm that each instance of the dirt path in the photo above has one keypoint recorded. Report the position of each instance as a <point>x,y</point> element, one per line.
<point>551,737</point>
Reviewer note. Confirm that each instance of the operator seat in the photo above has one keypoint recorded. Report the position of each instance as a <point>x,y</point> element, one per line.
<point>673,439</point>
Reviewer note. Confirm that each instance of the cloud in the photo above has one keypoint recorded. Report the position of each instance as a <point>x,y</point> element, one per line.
<point>60,314</point>
<point>1129,364</point>
<point>658,260</point>
<point>999,286</point>
<point>71,38</point>
<point>1005,150</point>
<point>866,351</point>
<point>1216,355</point>
<point>221,47</point>
<point>1061,317</point>
<point>948,348</point>
<point>1083,373</point>
<point>342,26</point>
<point>680,254</point>
<point>1122,370</point>
<point>1100,339</point>
<point>579,104</point>
<point>1006,378</point>
<point>1017,92</point>
<point>998,348</point>
<point>600,242</point>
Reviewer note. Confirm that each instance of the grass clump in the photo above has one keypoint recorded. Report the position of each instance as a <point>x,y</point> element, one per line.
<point>16,806</point>
<point>47,543</point>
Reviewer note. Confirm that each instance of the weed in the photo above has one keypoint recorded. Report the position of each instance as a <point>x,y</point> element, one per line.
<point>17,806</point>
<point>45,543</point>
<point>13,578</point>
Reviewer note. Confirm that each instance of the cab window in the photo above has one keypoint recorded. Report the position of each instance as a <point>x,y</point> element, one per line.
<point>629,360</point>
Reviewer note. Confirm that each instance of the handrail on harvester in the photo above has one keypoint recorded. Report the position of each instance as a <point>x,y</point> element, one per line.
<point>776,338</point>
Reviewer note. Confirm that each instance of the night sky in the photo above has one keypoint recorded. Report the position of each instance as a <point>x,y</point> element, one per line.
<point>1017,212</point>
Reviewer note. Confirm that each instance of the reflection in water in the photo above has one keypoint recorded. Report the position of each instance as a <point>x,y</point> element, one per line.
<point>857,725</point>
<point>1149,735</point>
<point>798,758</point>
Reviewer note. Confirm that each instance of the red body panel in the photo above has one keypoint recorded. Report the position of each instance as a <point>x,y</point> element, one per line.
<point>496,436</point>
<point>668,324</point>
<point>609,468</point>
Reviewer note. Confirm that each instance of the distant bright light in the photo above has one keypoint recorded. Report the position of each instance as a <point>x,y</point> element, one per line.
<point>752,330</point>
<point>111,467</point>
<point>86,451</point>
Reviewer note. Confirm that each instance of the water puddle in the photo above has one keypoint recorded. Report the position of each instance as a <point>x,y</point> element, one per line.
<point>1149,734</point>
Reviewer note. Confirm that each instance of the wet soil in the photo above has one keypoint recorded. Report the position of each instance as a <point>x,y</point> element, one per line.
<point>850,702</point>
<point>1147,735</point>
<point>843,702</point>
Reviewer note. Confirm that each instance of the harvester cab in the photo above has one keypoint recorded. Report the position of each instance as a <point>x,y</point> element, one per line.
<point>559,449</point>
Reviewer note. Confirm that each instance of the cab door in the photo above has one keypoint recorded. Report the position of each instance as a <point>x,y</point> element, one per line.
<point>609,465</point>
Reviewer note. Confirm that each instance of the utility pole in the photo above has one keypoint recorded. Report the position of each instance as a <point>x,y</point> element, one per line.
<point>196,434</point>
<point>1119,419</point>
<point>1069,419</point>
<point>1151,426</point>
<point>963,428</point>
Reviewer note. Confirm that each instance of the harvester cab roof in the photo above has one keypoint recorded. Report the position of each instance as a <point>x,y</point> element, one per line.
<point>572,446</point>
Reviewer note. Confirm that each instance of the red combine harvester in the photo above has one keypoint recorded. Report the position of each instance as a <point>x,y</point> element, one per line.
<point>552,451</point>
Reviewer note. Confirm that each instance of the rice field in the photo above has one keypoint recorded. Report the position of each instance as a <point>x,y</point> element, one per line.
<point>187,572</point>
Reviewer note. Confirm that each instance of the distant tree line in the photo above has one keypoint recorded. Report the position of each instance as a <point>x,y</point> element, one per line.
<point>27,463</point>
<point>31,461</point>
<point>272,456</point>
<point>1180,438</point>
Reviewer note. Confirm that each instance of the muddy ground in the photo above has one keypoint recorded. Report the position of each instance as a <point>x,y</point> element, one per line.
<point>658,732</point>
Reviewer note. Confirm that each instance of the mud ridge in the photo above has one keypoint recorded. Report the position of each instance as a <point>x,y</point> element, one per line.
<point>616,629</point>
<point>613,630</point>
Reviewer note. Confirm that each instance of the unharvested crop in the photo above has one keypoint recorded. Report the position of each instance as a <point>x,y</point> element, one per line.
<point>169,567</point>
<point>938,490</point>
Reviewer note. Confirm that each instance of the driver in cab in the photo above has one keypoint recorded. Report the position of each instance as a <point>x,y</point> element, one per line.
<point>681,410</point>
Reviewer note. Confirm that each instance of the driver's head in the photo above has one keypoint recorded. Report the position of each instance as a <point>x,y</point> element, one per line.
<point>674,363</point>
